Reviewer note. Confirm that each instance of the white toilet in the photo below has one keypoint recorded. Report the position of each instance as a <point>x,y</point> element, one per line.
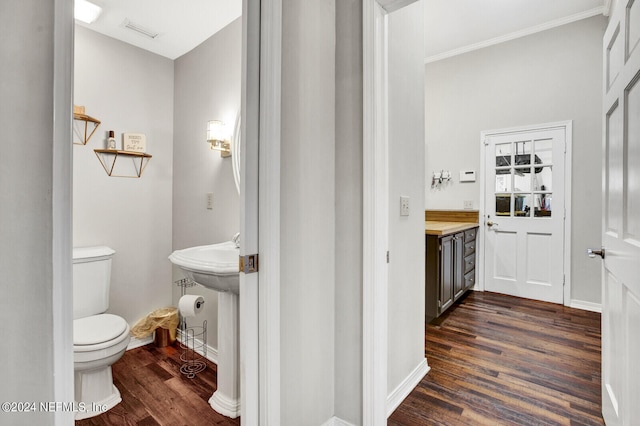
<point>99,339</point>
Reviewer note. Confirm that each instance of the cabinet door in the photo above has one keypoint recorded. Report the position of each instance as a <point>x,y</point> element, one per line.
<point>458,265</point>
<point>446,273</point>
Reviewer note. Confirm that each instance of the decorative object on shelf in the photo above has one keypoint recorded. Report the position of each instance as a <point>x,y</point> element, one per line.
<point>83,135</point>
<point>134,142</point>
<point>109,157</point>
<point>218,137</point>
<point>111,141</point>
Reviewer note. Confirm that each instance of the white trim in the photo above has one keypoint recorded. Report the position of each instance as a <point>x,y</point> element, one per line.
<point>336,421</point>
<point>517,34</point>
<point>269,208</point>
<point>253,399</point>
<point>568,137</point>
<point>568,128</point>
<point>403,390</point>
<point>586,306</point>
<point>375,216</point>
<point>62,367</point>
<point>606,9</point>
<point>136,342</point>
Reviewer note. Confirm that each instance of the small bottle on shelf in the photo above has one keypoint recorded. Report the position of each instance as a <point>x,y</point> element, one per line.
<point>111,142</point>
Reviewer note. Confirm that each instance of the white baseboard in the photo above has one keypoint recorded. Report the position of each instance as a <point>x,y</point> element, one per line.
<point>403,390</point>
<point>586,306</point>
<point>136,343</point>
<point>212,353</point>
<point>336,421</point>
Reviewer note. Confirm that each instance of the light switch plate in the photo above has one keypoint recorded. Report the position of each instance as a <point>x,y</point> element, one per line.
<point>404,206</point>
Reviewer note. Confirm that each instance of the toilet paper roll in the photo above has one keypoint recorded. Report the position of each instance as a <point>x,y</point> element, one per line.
<point>190,305</point>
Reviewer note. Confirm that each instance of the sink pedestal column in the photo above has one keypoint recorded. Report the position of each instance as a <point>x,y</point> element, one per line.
<point>226,399</point>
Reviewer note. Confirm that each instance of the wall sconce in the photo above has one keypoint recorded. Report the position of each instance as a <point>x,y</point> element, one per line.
<point>218,138</point>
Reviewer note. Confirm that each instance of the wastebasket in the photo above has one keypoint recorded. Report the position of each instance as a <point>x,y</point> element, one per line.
<point>163,321</point>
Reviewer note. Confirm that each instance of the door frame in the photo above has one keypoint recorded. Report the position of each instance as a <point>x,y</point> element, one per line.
<point>375,215</point>
<point>567,126</point>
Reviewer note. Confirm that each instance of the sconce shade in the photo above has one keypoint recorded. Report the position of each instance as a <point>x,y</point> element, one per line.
<point>218,138</point>
<point>215,131</point>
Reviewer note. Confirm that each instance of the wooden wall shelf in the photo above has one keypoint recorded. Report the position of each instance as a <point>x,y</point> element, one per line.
<point>86,134</point>
<point>108,158</point>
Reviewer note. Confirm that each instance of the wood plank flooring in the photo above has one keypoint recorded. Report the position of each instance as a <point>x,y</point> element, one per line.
<point>154,392</point>
<point>502,360</point>
<point>495,360</point>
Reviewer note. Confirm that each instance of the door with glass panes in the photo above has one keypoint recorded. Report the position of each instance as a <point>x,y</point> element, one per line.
<point>524,212</point>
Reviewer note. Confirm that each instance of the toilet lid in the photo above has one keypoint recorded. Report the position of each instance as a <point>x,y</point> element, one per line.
<point>97,329</point>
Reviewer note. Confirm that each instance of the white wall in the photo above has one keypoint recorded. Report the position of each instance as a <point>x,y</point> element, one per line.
<point>550,76</point>
<point>35,207</point>
<point>406,167</point>
<point>129,90</point>
<point>348,187</point>
<point>307,212</point>
<point>207,87</point>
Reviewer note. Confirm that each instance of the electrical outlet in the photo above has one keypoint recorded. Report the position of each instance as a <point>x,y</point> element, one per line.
<point>209,200</point>
<point>404,206</point>
<point>468,204</point>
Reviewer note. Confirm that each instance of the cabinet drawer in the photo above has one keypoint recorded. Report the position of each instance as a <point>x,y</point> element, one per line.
<point>469,263</point>
<point>470,234</point>
<point>469,248</point>
<point>470,279</point>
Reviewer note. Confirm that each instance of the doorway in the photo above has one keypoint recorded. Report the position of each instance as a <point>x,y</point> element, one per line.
<point>525,195</point>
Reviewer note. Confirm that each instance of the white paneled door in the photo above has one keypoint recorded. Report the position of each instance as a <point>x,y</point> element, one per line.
<point>621,217</point>
<point>524,221</point>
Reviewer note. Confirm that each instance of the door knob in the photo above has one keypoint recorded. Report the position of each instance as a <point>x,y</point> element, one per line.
<point>593,253</point>
<point>489,223</point>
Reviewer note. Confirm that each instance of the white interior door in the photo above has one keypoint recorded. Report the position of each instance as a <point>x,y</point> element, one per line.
<point>621,217</point>
<point>524,213</point>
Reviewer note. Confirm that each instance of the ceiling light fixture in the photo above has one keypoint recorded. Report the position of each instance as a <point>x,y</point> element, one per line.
<point>86,12</point>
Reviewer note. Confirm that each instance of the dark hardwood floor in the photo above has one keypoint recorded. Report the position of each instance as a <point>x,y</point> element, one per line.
<point>501,360</point>
<point>154,392</point>
<point>495,360</point>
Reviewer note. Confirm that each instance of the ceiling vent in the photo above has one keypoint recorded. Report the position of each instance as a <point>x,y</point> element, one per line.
<point>140,30</point>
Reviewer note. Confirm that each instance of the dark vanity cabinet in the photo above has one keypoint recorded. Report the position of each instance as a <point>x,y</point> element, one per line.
<point>450,269</point>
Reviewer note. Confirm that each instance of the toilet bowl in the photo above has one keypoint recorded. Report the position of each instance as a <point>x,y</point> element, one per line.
<point>98,342</point>
<point>99,339</point>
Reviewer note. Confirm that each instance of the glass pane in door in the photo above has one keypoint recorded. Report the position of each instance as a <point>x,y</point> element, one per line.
<point>522,205</point>
<point>503,204</point>
<point>543,151</point>
<point>503,183</point>
<point>522,179</point>
<point>503,155</point>
<point>543,179</point>
<point>543,205</point>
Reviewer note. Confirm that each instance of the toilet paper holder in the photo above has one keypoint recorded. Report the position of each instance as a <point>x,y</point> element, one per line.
<point>193,340</point>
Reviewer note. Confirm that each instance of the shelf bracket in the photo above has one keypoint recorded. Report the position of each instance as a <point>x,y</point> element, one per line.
<point>108,158</point>
<point>85,135</point>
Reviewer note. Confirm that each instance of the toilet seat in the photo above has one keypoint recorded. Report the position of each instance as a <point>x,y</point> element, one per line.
<point>98,332</point>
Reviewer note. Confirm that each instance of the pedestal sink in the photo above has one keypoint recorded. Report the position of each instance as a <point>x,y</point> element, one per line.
<point>216,267</point>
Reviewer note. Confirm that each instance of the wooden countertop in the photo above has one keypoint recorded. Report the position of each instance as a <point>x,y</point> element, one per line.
<point>439,228</point>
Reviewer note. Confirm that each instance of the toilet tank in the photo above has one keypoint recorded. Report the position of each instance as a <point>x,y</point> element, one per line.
<point>91,280</point>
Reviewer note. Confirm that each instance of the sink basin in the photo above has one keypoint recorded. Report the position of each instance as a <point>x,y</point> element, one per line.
<point>214,266</point>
